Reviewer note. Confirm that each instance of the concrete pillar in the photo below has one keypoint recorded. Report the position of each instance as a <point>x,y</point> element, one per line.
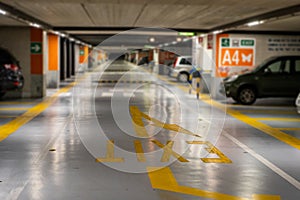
<point>68,59</point>
<point>17,41</point>
<point>53,61</point>
<point>62,59</point>
<point>72,59</point>
<point>38,76</point>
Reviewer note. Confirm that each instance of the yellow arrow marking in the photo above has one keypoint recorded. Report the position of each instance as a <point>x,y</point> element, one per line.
<point>168,151</point>
<point>212,150</point>
<point>163,179</point>
<point>137,121</point>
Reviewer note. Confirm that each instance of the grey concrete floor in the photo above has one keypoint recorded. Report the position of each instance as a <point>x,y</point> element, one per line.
<point>65,151</point>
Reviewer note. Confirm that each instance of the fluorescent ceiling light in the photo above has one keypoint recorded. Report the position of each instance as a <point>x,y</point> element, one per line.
<point>152,39</point>
<point>178,39</point>
<point>35,25</point>
<point>3,12</point>
<point>254,23</point>
<point>217,32</point>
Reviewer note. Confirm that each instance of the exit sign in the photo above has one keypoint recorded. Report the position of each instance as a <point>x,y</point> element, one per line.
<point>247,42</point>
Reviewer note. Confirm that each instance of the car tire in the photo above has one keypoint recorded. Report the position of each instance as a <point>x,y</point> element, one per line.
<point>246,96</point>
<point>183,77</point>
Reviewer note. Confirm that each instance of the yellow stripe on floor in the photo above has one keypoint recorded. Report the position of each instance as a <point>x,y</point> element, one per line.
<point>14,109</point>
<point>14,125</point>
<point>255,123</point>
<point>16,102</point>
<point>163,179</point>
<point>278,119</point>
<point>288,129</point>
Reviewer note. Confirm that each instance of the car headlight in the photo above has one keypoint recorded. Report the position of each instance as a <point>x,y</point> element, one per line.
<point>232,78</point>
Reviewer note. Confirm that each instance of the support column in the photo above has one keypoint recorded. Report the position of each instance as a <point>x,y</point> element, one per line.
<point>72,59</point>
<point>38,86</point>
<point>53,61</point>
<point>62,59</point>
<point>68,57</point>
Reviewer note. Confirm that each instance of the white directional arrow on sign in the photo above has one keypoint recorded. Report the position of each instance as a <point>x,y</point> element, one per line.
<point>36,48</point>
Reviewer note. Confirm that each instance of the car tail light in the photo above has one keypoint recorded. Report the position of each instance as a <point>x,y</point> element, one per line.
<point>16,83</point>
<point>175,61</point>
<point>12,67</point>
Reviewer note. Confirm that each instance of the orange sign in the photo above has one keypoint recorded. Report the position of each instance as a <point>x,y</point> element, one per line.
<point>235,57</point>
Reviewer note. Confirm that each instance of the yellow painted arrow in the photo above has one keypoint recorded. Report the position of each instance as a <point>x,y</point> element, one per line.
<point>163,179</point>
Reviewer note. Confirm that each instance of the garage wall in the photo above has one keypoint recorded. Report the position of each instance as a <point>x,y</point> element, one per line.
<point>273,45</point>
<point>17,41</point>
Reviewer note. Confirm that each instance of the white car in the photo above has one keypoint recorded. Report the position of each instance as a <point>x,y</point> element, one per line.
<point>298,103</point>
<point>182,66</point>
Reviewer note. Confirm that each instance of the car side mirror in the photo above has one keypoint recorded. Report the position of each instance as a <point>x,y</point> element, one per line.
<point>267,71</point>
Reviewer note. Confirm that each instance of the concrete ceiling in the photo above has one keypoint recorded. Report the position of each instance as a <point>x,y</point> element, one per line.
<point>81,17</point>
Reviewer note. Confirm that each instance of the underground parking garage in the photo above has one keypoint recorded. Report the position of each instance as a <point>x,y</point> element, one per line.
<point>149,99</point>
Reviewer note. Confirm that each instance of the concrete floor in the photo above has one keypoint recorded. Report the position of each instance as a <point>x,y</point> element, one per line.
<point>124,133</point>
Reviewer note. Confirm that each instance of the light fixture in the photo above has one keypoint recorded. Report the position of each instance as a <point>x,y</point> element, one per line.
<point>254,23</point>
<point>152,39</point>
<point>178,39</point>
<point>35,25</point>
<point>3,12</point>
<point>217,32</point>
<point>71,39</point>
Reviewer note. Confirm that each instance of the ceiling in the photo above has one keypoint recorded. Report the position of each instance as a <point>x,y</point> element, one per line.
<point>93,21</point>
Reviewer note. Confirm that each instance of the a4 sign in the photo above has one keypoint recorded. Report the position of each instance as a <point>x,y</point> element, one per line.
<point>235,52</point>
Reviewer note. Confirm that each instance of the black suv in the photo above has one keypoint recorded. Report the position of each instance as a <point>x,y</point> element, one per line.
<point>11,77</point>
<point>276,77</point>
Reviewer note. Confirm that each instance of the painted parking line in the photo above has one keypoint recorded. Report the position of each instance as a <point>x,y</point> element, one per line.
<point>15,124</point>
<point>163,179</point>
<point>14,108</point>
<point>16,103</point>
<point>288,129</point>
<point>278,119</point>
<point>276,133</point>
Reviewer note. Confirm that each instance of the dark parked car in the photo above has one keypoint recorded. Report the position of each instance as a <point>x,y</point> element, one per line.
<point>11,77</point>
<point>276,77</point>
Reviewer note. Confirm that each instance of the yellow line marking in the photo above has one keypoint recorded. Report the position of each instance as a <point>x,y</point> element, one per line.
<point>286,138</point>
<point>15,103</point>
<point>168,151</point>
<point>163,179</point>
<point>292,141</point>
<point>110,154</point>
<point>137,122</point>
<point>288,129</point>
<point>137,119</point>
<point>278,119</point>
<point>14,125</point>
<point>212,150</point>
<point>139,151</point>
<point>14,109</point>
<point>268,111</point>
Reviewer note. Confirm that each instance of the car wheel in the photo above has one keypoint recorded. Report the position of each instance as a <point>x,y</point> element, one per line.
<point>247,96</point>
<point>183,77</point>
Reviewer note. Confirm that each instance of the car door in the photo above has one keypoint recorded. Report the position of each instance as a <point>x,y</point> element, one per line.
<point>273,82</point>
<point>294,79</point>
